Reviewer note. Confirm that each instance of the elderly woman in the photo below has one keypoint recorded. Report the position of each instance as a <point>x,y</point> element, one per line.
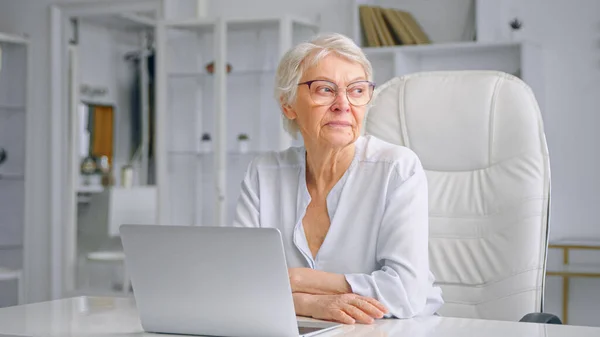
<point>352,210</point>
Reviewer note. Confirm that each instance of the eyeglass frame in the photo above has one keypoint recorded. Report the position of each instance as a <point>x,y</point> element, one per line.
<point>308,83</point>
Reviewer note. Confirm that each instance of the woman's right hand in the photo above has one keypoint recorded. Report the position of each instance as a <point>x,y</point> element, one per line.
<point>345,308</point>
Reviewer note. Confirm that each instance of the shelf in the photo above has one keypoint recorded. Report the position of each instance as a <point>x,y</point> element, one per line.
<point>233,73</point>
<point>576,269</point>
<point>12,176</point>
<point>141,20</point>
<point>123,21</point>
<point>244,24</point>
<point>90,189</point>
<point>239,24</point>
<point>197,25</point>
<point>12,108</point>
<point>4,38</point>
<point>439,49</point>
<point>576,243</point>
<point>211,154</point>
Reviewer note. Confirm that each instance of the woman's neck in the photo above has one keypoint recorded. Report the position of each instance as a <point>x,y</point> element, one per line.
<point>326,166</point>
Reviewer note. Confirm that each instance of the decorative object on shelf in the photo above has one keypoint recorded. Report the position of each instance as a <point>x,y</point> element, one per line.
<point>205,143</point>
<point>2,155</point>
<point>105,169</point>
<point>91,91</point>
<point>127,176</point>
<point>210,68</point>
<point>89,172</point>
<point>515,28</point>
<point>243,141</point>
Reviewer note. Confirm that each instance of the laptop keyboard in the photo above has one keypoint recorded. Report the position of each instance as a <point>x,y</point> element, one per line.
<point>307,330</point>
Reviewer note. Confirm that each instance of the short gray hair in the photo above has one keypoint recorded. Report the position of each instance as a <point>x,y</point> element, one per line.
<point>305,55</point>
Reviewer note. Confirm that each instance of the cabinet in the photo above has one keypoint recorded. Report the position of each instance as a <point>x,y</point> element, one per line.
<point>217,110</point>
<point>13,115</point>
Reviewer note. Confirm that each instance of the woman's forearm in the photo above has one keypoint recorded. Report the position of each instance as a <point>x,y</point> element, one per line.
<point>310,281</point>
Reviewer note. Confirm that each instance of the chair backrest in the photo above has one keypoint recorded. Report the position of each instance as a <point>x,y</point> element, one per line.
<point>479,135</point>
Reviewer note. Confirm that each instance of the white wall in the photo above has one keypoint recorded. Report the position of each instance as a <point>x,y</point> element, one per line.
<point>569,32</point>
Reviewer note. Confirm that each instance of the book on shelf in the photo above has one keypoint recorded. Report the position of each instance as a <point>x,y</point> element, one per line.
<point>389,27</point>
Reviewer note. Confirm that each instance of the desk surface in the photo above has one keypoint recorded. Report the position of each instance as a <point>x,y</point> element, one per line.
<point>95,316</point>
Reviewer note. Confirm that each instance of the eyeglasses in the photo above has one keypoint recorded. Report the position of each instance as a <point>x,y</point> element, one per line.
<point>324,92</point>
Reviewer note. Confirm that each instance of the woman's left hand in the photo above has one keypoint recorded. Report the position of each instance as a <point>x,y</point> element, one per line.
<point>317,282</point>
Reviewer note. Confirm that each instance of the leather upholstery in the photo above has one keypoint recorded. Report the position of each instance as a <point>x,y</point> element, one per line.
<point>479,135</point>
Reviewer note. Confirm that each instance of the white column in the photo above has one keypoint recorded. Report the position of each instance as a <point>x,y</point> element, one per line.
<point>70,232</point>
<point>161,155</point>
<point>285,43</point>
<point>220,123</point>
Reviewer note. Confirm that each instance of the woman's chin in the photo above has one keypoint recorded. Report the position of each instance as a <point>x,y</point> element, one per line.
<point>339,139</point>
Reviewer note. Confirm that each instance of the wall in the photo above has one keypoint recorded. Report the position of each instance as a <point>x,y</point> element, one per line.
<point>569,32</point>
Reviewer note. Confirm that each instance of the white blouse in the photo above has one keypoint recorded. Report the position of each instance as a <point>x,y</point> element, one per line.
<point>378,237</point>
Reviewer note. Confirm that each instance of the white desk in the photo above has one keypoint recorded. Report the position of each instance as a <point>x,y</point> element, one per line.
<point>88,316</point>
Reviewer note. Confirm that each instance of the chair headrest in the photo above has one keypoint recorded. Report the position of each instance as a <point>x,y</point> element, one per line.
<point>457,120</point>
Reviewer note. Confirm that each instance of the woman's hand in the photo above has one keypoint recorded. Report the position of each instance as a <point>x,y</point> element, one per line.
<point>345,308</point>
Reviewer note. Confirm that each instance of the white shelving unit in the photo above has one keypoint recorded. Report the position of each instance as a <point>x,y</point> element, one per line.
<point>517,57</point>
<point>13,116</point>
<point>199,183</point>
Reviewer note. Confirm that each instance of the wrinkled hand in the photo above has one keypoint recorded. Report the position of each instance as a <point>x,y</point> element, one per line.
<point>346,308</point>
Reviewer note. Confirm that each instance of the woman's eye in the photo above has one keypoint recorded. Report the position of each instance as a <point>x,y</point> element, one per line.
<point>325,90</point>
<point>357,91</point>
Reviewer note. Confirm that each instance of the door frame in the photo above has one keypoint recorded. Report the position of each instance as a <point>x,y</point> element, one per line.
<point>63,202</point>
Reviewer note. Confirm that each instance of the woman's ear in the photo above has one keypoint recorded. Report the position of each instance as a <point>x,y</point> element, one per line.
<point>288,110</point>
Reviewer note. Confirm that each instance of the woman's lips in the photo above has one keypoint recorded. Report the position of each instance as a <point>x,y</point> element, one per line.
<point>339,124</point>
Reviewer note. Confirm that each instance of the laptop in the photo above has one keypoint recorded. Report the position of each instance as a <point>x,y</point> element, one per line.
<point>215,281</point>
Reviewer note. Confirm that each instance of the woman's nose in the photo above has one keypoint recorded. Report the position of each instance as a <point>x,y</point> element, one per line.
<point>341,103</point>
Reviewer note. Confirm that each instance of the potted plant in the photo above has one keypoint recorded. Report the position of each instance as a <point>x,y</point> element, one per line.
<point>205,145</point>
<point>515,29</point>
<point>243,141</point>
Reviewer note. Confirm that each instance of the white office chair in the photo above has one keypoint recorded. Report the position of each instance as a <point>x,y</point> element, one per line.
<point>480,138</point>
<point>10,274</point>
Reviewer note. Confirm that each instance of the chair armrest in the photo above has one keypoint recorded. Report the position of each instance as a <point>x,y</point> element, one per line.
<point>541,317</point>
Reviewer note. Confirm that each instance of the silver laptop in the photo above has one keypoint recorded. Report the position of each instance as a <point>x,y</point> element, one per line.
<point>214,281</point>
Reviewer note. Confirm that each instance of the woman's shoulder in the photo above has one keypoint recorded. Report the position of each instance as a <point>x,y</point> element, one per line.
<point>291,157</point>
<point>401,160</point>
<point>373,149</point>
